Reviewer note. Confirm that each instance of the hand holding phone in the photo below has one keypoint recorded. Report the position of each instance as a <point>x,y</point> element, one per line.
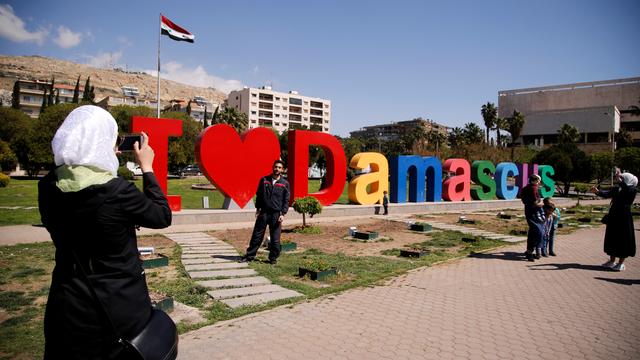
<point>125,142</point>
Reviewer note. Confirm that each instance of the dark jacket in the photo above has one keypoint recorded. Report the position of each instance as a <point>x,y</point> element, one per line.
<point>98,224</point>
<point>273,197</point>
<point>619,237</point>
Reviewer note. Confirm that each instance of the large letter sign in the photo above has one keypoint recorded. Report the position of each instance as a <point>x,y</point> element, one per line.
<point>336,175</point>
<point>377,179</point>
<point>159,131</point>
<point>223,158</point>
<point>548,185</point>
<point>481,174</point>
<point>503,190</point>
<point>525,170</point>
<point>421,170</point>
<point>457,188</point>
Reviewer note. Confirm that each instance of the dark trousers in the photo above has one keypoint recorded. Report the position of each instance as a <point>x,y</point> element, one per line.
<point>534,235</point>
<point>386,209</point>
<point>264,219</point>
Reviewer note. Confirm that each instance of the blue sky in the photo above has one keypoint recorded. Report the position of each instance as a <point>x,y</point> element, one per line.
<point>377,61</point>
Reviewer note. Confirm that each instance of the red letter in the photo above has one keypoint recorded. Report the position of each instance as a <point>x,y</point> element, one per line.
<point>159,131</point>
<point>458,187</point>
<point>299,142</point>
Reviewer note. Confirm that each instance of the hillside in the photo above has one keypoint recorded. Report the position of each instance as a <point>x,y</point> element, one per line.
<point>106,81</point>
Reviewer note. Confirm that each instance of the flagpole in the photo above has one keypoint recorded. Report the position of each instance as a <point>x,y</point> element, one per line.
<point>158,88</point>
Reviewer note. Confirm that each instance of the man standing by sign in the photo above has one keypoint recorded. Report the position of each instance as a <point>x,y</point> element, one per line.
<point>272,203</point>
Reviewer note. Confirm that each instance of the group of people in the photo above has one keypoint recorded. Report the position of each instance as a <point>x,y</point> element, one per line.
<point>619,240</point>
<point>542,217</point>
<point>98,294</point>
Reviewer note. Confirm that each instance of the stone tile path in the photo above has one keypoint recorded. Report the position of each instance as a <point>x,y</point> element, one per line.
<point>490,306</point>
<point>215,264</point>
<point>470,230</point>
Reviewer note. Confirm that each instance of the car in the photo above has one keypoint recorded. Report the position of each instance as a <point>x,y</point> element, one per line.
<point>190,170</point>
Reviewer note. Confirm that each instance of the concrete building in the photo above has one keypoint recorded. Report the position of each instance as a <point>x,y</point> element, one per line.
<point>394,130</point>
<point>282,111</point>
<point>198,107</point>
<point>130,96</point>
<point>599,109</point>
<point>31,93</point>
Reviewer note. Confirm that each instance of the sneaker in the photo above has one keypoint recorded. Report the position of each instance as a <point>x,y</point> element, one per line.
<point>618,267</point>
<point>608,264</point>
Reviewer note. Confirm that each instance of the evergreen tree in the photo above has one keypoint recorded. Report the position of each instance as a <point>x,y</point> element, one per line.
<point>214,118</point>
<point>76,92</point>
<point>50,99</point>
<point>15,97</point>
<point>87,90</point>
<point>58,97</point>
<point>44,101</point>
<point>189,108</point>
<point>205,122</point>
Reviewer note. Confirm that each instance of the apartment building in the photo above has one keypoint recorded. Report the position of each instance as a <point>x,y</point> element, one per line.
<point>31,93</point>
<point>282,111</point>
<point>394,130</point>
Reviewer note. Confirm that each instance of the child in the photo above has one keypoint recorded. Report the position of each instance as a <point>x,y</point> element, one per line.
<point>547,226</point>
<point>385,203</point>
<point>556,219</point>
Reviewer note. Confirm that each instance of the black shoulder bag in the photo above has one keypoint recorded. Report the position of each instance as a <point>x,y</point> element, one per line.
<point>158,340</point>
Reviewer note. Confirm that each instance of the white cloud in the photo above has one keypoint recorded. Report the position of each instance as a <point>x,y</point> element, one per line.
<point>197,76</point>
<point>12,28</point>
<point>104,60</point>
<point>256,69</point>
<point>67,38</point>
<point>124,41</point>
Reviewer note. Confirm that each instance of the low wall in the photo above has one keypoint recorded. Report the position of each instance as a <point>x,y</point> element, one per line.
<point>218,216</point>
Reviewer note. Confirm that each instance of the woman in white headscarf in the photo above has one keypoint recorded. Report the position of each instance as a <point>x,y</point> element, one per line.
<point>619,237</point>
<point>91,215</point>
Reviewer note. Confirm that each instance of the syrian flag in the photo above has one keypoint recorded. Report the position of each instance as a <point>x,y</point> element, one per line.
<point>174,31</point>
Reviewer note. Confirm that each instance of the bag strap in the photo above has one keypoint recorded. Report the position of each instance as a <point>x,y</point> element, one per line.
<point>103,311</point>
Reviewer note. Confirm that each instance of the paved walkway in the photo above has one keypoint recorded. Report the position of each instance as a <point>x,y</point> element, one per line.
<point>491,306</point>
<point>215,265</point>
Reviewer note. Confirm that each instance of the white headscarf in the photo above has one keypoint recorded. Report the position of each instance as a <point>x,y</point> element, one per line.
<point>87,137</point>
<point>629,179</point>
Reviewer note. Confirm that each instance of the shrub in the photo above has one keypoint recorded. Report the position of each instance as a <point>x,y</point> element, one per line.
<point>4,180</point>
<point>125,173</point>
<point>315,264</point>
<point>307,205</point>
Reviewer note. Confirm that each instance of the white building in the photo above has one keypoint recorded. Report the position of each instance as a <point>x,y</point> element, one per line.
<point>282,111</point>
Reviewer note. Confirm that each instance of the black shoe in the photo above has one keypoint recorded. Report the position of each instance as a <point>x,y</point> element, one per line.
<point>245,259</point>
<point>530,259</point>
<point>551,253</point>
<point>537,256</point>
<point>544,255</point>
<point>273,262</point>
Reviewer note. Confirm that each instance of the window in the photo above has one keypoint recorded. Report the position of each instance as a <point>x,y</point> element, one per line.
<point>326,106</point>
<point>277,98</point>
<point>252,95</point>
<point>253,121</point>
<point>253,113</point>
<point>284,108</point>
<point>277,115</point>
<point>295,101</point>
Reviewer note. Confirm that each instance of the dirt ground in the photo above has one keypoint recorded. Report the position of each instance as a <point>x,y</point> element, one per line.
<point>334,237</point>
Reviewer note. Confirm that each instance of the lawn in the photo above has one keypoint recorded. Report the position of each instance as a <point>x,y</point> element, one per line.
<point>19,200</point>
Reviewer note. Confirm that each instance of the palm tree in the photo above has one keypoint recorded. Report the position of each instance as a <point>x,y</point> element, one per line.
<point>489,114</point>
<point>500,124</point>
<point>472,133</point>
<point>515,123</point>
<point>568,134</point>
<point>456,137</point>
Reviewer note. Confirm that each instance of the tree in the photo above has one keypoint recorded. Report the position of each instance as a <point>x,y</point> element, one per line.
<point>456,137</point>
<point>15,96</point>
<point>601,166</point>
<point>8,159</point>
<point>44,101</point>
<point>628,159</point>
<point>568,134</point>
<point>57,97</point>
<point>181,149</point>
<point>307,205</point>
<point>436,141</point>
<point>500,124</point>
<point>124,113</point>
<point>472,133</point>
<point>88,94</point>
<point>189,108</point>
<point>50,99</point>
<point>623,139</point>
<point>232,117</point>
<point>489,115</point>
<point>515,123</point>
<point>76,92</point>
<point>569,162</point>
<point>205,123</point>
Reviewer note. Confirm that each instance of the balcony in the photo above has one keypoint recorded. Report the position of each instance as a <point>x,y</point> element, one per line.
<point>316,127</point>
<point>265,122</point>
<point>295,101</point>
<point>316,112</point>
<point>265,114</point>
<point>266,97</point>
<point>296,126</point>
<point>315,104</point>
<point>315,120</point>
<point>293,117</point>
<point>295,109</point>
<point>266,106</point>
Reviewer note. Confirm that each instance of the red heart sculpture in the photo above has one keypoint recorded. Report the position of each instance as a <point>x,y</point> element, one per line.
<point>235,164</point>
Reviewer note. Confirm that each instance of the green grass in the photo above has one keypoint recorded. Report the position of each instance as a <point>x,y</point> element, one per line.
<point>24,194</point>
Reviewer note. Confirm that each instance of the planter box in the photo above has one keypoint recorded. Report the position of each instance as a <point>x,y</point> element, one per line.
<point>466,221</point>
<point>420,227</point>
<point>317,275</point>
<point>165,304</point>
<point>365,235</point>
<point>560,225</point>
<point>584,220</point>
<point>469,239</point>
<point>157,262</point>
<point>413,253</point>
<point>289,246</point>
<point>505,216</point>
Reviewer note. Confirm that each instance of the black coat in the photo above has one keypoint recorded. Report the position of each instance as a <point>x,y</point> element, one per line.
<point>273,198</point>
<point>619,237</point>
<point>98,224</point>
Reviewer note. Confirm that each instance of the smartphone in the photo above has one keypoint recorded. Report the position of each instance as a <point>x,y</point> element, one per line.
<point>126,142</point>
